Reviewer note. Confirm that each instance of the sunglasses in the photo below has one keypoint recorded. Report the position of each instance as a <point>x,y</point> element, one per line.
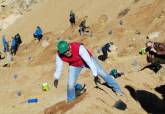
<point>66,52</point>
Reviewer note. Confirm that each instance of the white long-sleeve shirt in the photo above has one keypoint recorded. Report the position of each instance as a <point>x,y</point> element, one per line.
<point>84,55</point>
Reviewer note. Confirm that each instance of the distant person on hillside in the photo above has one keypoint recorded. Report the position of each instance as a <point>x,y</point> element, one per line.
<point>5,44</point>
<point>156,52</point>
<point>38,34</point>
<point>83,27</point>
<point>105,49</point>
<point>78,57</point>
<point>72,18</point>
<point>13,46</point>
<point>18,39</point>
<point>15,43</point>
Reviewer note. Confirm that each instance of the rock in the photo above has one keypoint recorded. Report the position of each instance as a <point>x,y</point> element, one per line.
<point>137,32</point>
<point>30,58</point>
<point>98,50</point>
<point>110,32</point>
<point>19,93</point>
<point>120,22</point>
<point>15,76</point>
<point>44,44</point>
<point>153,35</point>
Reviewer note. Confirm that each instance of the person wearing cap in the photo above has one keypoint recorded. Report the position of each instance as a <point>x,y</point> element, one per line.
<point>155,52</point>
<point>78,57</point>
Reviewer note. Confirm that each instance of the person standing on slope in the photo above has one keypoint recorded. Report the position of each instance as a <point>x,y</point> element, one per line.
<point>5,44</point>
<point>79,57</point>
<point>72,18</point>
<point>38,34</point>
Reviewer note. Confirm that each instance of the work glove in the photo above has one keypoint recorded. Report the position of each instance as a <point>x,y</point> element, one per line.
<point>55,83</point>
<point>97,80</point>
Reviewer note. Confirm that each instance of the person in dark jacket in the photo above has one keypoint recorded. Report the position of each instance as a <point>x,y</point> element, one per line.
<point>72,18</point>
<point>13,46</point>
<point>38,34</point>
<point>18,40</point>
<point>105,49</point>
<point>83,27</point>
<point>156,52</point>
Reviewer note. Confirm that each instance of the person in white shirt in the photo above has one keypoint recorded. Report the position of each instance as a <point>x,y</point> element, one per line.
<point>79,57</point>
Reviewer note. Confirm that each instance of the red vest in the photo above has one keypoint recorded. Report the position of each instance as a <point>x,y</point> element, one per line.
<point>75,59</point>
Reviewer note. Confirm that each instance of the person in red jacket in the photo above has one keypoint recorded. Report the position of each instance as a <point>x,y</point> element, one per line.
<point>78,57</point>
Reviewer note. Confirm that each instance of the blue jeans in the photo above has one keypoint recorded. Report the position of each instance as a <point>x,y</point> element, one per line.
<point>74,74</point>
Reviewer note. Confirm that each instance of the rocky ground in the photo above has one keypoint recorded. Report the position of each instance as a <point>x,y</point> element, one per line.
<point>126,23</point>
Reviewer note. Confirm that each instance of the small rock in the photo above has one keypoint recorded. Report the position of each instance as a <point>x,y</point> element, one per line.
<point>30,58</point>
<point>19,93</point>
<point>137,32</point>
<point>110,32</point>
<point>3,6</point>
<point>121,22</point>
<point>44,44</point>
<point>98,50</point>
<point>15,76</point>
<point>153,35</point>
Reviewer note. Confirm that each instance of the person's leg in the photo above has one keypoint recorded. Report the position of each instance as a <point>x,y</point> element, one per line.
<point>74,21</point>
<point>109,79</point>
<point>160,60</point>
<point>12,50</point>
<point>40,37</point>
<point>15,49</point>
<point>73,75</point>
<point>105,54</point>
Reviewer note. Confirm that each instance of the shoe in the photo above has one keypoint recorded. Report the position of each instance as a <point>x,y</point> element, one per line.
<point>119,93</point>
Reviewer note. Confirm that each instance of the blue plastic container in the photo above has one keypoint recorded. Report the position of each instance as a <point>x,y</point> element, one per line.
<point>32,100</point>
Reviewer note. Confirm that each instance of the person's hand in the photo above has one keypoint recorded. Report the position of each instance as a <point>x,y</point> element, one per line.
<point>153,50</point>
<point>55,83</point>
<point>97,80</point>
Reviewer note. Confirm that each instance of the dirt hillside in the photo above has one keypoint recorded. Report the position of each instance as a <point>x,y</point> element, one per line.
<point>129,21</point>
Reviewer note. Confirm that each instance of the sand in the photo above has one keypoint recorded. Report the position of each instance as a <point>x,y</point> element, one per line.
<point>34,64</point>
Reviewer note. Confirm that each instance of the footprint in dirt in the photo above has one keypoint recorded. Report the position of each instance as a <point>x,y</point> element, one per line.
<point>62,106</point>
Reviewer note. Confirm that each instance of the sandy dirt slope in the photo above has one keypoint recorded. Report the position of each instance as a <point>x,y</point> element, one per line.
<point>34,64</point>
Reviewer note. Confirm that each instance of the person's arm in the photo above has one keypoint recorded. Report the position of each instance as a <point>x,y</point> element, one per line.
<point>160,53</point>
<point>86,57</point>
<point>108,46</point>
<point>59,67</point>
